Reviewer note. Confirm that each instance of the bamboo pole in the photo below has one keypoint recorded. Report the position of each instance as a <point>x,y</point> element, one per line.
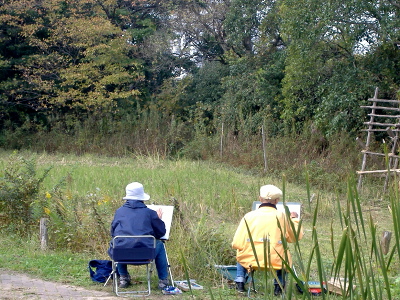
<point>391,128</point>
<point>378,171</point>
<point>369,135</point>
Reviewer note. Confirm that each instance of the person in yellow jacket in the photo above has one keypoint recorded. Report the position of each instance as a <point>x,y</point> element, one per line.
<point>263,225</point>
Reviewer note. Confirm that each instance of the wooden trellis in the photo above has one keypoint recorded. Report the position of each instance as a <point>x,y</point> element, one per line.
<point>384,117</point>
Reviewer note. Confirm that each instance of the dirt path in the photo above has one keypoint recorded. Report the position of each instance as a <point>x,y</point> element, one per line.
<point>16,286</point>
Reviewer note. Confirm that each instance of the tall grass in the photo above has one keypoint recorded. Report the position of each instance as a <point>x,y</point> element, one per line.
<point>358,258</point>
<point>150,132</point>
<point>342,229</point>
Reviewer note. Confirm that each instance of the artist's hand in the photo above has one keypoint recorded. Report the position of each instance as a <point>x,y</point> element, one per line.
<point>294,214</point>
<point>160,213</point>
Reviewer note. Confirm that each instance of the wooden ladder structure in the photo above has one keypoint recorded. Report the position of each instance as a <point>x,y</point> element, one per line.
<point>384,117</point>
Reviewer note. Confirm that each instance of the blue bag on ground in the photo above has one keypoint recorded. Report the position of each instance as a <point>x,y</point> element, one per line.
<point>102,269</point>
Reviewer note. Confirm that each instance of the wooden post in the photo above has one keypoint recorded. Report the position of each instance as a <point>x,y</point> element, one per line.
<point>385,241</point>
<point>222,139</point>
<point>43,233</point>
<point>264,151</point>
<point>393,160</point>
<point>392,129</point>
<point>369,135</point>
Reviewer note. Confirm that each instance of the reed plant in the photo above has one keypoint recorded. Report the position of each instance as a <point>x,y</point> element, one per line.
<point>359,263</point>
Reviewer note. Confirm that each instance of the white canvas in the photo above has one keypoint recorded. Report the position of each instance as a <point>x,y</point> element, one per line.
<point>167,213</point>
<point>293,206</point>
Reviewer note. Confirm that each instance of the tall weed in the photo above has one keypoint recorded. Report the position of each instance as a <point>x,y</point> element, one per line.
<point>358,259</point>
<point>78,222</point>
<point>152,132</point>
<point>20,184</point>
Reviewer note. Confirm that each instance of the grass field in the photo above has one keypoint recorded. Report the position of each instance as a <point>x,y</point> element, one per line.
<point>342,231</point>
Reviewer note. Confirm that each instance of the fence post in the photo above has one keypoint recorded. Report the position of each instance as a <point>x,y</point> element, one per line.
<point>222,140</point>
<point>43,233</point>
<point>385,241</point>
<point>264,151</point>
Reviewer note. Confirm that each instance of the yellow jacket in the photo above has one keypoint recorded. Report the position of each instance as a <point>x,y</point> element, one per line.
<point>263,224</point>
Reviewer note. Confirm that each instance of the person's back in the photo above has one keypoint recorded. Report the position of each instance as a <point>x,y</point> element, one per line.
<point>266,225</point>
<point>135,218</point>
<point>263,225</point>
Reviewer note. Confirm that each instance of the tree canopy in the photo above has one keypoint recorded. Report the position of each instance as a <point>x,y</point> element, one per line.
<point>247,63</point>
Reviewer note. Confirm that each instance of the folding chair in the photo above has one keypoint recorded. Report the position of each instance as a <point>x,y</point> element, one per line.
<point>133,250</point>
<point>252,283</point>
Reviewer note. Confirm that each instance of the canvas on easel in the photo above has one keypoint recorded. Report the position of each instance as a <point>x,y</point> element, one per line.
<point>167,213</point>
<point>293,206</point>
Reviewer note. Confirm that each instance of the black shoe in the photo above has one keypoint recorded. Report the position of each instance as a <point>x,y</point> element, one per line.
<point>277,290</point>
<point>240,287</point>
<point>124,281</point>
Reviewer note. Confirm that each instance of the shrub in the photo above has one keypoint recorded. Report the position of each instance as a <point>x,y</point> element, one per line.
<point>19,188</point>
<point>78,223</point>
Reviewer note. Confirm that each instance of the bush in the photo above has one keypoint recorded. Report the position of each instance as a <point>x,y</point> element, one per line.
<point>19,188</point>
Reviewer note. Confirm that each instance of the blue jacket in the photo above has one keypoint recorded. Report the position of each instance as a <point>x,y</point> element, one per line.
<point>135,218</point>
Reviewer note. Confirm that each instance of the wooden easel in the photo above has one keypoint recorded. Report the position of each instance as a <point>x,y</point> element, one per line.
<point>382,111</point>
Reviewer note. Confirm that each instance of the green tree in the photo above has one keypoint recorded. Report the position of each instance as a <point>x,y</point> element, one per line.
<point>241,25</point>
<point>146,26</point>
<point>83,65</point>
<point>205,85</point>
<point>252,94</point>
<point>326,80</point>
<point>384,65</point>
<point>210,30</point>
<point>72,58</point>
<point>16,100</point>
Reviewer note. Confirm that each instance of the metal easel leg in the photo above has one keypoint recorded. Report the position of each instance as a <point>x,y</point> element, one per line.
<point>168,265</point>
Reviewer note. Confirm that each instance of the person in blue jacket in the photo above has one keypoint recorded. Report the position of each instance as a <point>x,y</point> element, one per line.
<point>135,218</point>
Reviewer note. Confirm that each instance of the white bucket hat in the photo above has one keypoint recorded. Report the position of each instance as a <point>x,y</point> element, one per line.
<point>270,192</point>
<point>135,191</point>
